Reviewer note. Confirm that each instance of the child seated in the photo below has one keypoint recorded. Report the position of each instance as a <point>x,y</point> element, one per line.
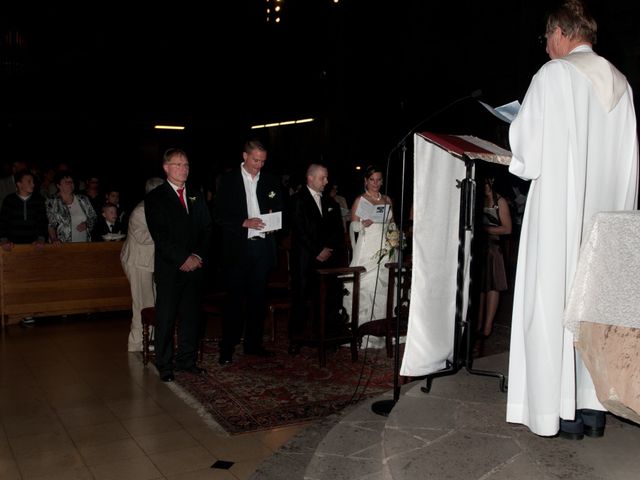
<point>108,222</point>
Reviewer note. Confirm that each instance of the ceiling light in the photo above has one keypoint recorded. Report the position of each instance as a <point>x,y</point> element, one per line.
<point>168,127</point>
<point>281,124</point>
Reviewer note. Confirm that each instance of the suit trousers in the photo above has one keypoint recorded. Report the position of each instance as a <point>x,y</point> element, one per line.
<point>246,305</point>
<point>178,295</point>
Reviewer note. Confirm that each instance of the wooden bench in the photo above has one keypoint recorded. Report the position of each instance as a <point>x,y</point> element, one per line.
<point>62,279</point>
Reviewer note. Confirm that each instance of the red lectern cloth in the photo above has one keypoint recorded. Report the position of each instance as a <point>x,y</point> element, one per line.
<point>470,146</point>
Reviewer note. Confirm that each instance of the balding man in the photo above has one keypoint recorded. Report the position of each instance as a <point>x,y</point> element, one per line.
<point>317,241</point>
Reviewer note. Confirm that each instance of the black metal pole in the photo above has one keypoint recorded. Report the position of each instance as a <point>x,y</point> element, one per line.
<point>461,327</point>
<point>384,407</point>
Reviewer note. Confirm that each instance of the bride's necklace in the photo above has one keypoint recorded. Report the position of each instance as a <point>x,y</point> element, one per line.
<point>378,198</point>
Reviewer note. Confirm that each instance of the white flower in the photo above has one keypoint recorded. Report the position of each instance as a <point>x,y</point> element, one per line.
<point>393,241</point>
<point>192,199</point>
<point>272,194</point>
<point>329,209</point>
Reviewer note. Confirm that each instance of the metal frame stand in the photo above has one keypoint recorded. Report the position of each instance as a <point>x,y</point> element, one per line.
<point>462,329</point>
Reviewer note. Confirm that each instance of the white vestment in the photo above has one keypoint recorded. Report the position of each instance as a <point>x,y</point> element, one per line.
<point>575,138</point>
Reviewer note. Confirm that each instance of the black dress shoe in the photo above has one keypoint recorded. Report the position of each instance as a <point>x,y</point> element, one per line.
<point>572,429</point>
<point>224,359</point>
<point>192,369</point>
<point>167,377</point>
<point>294,349</point>
<point>260,352</point>
<point>594,422</point>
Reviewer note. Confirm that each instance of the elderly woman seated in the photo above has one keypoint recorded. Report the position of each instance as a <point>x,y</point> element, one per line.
<point>71,216</point>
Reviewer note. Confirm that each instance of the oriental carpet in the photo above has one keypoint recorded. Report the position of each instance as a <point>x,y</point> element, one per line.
<point>255,393</point>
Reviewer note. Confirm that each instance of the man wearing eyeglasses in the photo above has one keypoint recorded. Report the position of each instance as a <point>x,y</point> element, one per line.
<point>180,225</point>
<point>575,139</point>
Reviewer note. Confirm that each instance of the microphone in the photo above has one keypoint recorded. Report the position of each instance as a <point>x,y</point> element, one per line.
<point>474,94</point>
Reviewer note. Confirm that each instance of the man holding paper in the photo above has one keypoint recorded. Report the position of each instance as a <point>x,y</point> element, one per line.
<point>248,208</point>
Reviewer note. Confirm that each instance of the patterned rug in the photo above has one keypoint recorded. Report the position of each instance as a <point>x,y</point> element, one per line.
<point>254,393</point>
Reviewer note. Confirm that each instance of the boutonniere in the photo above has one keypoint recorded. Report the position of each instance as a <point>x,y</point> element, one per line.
<point>329,209</point>
<point>192,199</point>
<point>272,194</point>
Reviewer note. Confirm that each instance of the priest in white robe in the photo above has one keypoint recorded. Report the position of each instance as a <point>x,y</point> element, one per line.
<point>575,139</point>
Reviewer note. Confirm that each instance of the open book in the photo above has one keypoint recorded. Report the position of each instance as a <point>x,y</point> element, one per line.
<point>368,211</point>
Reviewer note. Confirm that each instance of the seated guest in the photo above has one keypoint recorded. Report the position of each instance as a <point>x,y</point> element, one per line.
<point>113,196</point>
<point>71,216</point>
<point>92,191</point>
<point>108,222</point>
<point>23,218</point>
<point>8,183</point>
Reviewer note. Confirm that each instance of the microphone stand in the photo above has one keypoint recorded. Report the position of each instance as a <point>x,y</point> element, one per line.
<point>384,407</point>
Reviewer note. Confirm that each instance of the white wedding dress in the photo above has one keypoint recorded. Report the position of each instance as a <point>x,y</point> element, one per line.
<point>369,241</point>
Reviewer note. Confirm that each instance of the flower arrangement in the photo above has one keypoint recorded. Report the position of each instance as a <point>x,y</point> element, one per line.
<point>393,241</point>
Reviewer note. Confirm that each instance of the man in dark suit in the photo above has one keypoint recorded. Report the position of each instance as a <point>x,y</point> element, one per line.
<point>317,241</point>
<point>248,253</point>
<point>180,225</point>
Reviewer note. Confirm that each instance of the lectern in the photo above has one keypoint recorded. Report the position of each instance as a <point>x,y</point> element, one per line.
<point>445,169</point>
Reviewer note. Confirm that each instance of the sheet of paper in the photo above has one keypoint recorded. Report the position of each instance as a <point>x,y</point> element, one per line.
<point>272,221</point>
<point>506,112</point>
<point>368,211</point>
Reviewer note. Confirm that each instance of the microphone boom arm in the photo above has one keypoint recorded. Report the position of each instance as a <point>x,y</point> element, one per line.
<point>474,94</point>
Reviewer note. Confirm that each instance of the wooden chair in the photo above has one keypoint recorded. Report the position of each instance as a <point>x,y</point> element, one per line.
<point>323,333</point>
<point>279,289</point>
<point>386,327</point>
<point>148,315</point>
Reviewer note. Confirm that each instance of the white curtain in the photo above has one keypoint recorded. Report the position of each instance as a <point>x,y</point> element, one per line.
<point>436,215</point>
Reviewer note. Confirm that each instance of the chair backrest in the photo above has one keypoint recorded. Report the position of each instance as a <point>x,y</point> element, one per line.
<point>393,309</point>
<point>280,277</point>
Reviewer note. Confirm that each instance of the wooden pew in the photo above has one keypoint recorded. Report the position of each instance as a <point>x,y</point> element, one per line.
<point>62,279</point>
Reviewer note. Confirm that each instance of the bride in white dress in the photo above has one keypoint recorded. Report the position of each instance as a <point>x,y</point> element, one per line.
<point>371,252</point>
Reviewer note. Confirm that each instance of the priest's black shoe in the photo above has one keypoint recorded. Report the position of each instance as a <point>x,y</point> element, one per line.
<point>294,348</point>
<point>167,377</point>
<point>192,369</point>
<point>572,429</point>
<point>594,422</point>
<point>260,352</point>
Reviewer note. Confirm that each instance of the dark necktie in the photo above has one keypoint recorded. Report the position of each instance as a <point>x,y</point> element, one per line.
<point>181,197</point>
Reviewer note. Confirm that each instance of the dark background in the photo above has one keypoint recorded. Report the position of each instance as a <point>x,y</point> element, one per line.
<point>86,83</point>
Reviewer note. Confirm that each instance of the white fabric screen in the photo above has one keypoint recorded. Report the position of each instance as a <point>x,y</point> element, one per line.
<point>436,215</point>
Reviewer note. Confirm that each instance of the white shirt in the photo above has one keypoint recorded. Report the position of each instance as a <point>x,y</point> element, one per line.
<point>77,217</point>
<point>184,194</point>
<point>253,207</point>
<point>317,196</point>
